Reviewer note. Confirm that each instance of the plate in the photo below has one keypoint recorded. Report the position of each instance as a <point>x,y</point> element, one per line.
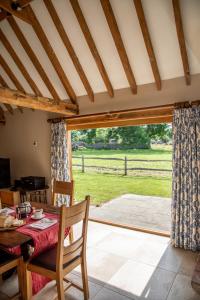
<point>36,218</point>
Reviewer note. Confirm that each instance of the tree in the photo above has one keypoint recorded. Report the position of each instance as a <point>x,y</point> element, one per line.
<point>134,136</point>
<point>161,132</point>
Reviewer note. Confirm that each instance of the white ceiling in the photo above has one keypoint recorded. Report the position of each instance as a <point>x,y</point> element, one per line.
<point>160,20</point>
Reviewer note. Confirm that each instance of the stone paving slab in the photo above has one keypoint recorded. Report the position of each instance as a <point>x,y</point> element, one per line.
<point>136,210</point>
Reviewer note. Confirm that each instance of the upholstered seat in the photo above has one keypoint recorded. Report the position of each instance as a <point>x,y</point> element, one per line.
<point>47,260</point>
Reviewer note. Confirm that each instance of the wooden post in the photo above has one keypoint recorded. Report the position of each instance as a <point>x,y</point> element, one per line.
<point>125,166</point>
<point>83,164</point>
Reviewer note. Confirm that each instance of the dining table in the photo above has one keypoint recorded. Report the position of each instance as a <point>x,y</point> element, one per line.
<point>28,242</point>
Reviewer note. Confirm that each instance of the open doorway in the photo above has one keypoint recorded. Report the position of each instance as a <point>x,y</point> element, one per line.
<point>128,173</point>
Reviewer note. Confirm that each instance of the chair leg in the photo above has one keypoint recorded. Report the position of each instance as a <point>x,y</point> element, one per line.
<point>20,276</point>
<point>60,288</point>
<point>27,291</point>
<point>85,279</point>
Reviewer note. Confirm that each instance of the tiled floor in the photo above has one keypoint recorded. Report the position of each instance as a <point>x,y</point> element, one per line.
<point>124,264</point>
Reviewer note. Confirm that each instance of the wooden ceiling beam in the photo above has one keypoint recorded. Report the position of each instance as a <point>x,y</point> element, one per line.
<point>112,23</point>
<point>181,40</point>
<point>59,26</point>
<point>33,57</point>
<point>51,54</point>
<point>7,106</point>
<point>12,77</point>
<point>91,44</point>
<point>147,41</point>
<point>35,102</point>
<point>19,64</point>
<point>10,8</point>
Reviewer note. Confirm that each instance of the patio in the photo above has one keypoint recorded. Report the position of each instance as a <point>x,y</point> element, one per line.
<point>125,264</point>
<point>136,210</point>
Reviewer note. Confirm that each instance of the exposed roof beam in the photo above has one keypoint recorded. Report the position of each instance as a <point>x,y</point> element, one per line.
<point>69,47</point>
<point>35,102</point>
<point>181,39</point>
<point>18,62</point>
<point>147,40</point>
<point>33,57</point>
<point>12,77</point>
<point>7,106</point>
<point>51,54</point>
<point>21,14</point>
<point>91,44</point>
<point>112,23</point>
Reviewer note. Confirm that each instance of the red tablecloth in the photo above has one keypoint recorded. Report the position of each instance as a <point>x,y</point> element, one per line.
<point>42,240</point>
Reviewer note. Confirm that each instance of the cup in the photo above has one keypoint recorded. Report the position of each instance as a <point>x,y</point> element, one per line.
<point>38,213</point>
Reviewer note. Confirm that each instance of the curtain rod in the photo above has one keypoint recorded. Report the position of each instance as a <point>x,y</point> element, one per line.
<point>185,104</point>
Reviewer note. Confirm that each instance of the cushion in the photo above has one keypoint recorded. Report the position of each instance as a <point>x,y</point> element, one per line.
<point>47,259</point>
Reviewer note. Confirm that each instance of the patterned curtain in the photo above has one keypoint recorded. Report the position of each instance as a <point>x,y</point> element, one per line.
<point>59,157</point>
<point>186,178</point>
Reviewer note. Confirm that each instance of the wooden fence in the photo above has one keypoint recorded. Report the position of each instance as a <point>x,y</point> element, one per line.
<point>125,169</point>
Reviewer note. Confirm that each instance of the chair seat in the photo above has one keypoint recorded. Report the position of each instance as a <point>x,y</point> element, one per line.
<point>47,259</point>
<point>5,257</point>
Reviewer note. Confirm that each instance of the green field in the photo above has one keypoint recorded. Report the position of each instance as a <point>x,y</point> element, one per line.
<point>105,186</point>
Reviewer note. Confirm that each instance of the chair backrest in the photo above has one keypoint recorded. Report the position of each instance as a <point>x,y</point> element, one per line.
<point>69,217</point>
<point>63,188</point>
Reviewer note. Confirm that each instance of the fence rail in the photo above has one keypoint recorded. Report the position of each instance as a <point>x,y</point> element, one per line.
<point>125,169</point>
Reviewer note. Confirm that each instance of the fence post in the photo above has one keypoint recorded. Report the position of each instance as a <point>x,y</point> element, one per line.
<point>83,164</point>
<point>125,166</point>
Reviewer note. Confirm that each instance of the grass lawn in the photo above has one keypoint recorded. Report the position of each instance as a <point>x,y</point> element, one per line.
<point>104,187</point>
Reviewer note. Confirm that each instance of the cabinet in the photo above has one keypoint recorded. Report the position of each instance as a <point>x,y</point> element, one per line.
<point>9,198</point>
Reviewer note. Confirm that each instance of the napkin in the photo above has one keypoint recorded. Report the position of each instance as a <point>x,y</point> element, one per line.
<point>43,224</point>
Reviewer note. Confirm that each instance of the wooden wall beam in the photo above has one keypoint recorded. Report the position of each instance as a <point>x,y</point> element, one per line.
<point>3,15</point>
<point>91,44</point>
<point>147,41</point>
<point>131,122</point>
<point>59,26</point>
<point>24,3</point>
<point>12,77</point>
<point>7,106</point>
<point>112,23</point>
<point>181,40</point>
<point>123,116</point>
<point>7,6</point>
<point>35,102</point>
<point>33,57</point>
<point>2,116</point>
<point>19,64</point>
<point>51,54</point>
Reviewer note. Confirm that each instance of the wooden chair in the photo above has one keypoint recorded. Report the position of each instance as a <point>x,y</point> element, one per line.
<point>8,262</point>
<point>57,262</point>
<point>64,188</point>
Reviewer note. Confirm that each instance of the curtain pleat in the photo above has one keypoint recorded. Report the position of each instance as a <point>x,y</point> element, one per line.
<point>59,157</point>
<point>186,178</point>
